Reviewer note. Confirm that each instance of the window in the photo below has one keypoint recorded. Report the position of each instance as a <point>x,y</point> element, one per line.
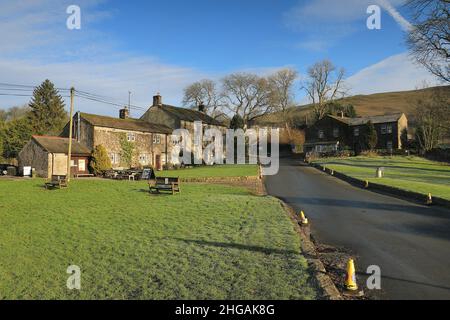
<point>321,134</point>
<point>356,132</point>
<point>389,145</point>
<point>336,132</point>
<point>115,158</point>
<point>389,128</point>
<point>144,158</point>
<point>156,139</point>
<point>383,129</point>
<point>131,137</point>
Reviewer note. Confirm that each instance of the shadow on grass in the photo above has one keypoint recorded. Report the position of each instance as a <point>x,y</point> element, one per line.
<point>239,247</point>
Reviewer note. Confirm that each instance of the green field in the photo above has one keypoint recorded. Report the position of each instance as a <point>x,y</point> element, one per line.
<point>408,173</point>
<point>234,170</point>
<point>209,242</point>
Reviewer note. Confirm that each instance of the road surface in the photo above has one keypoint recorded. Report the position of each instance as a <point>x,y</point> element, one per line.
<point>410,242</point>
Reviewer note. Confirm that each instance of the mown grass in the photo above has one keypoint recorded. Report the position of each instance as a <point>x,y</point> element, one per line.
<point>209,242</point>
<point>235,170</point>
<point>408,173</point>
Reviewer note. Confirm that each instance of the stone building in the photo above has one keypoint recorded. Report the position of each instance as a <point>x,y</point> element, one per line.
<point>179,118</point>
<point>48,156</point>
<point>150,142</point>
<point>337,132</point>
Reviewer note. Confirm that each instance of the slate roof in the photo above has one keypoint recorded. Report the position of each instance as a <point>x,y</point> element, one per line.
<point>387,118</point>
<point>61,145</point>
<point>189,114</point>
<point>125,124</point>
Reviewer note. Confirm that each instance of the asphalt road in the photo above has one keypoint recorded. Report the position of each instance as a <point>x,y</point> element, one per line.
<point>410,242</point>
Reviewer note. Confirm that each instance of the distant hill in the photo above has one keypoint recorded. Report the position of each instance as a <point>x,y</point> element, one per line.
<point>367,105</point>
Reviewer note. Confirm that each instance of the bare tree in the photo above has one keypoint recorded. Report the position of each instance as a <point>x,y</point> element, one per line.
<point>247,95</point>
<point>281,86</point>
<point>204,93</point>
<point>433,118</point>
<point>324,83</point>
<point>429,38</point>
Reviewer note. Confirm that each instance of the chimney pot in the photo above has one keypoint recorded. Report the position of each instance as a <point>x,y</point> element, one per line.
<point>157,100</point>
<point>124,113</point>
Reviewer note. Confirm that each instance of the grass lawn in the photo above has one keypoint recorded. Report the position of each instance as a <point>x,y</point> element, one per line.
<point>209,242</point>
<point>233,170</point>
<point>409,173</point>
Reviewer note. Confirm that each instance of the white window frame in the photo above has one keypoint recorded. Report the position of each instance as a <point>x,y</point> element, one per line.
<point>144,158</point>
<point>131,137</point>
<point>114,157</point>
<point>336,132</point>
<point>389,129</point>
<point>321,134</point>
<point>156,138</point>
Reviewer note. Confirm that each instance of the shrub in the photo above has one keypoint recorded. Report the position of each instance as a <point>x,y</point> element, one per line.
<point>371,138</point>
<point>100,161</point>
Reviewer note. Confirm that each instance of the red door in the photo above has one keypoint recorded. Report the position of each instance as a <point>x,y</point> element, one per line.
<point>158,162</point>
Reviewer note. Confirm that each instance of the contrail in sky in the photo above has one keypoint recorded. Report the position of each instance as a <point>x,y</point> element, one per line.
<point>404,24</point>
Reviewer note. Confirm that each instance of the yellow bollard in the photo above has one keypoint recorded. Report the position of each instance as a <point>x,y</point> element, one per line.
<point>303,219</point>
<point>367,184</point>
<point>350,280</point>
<point>429,199</point>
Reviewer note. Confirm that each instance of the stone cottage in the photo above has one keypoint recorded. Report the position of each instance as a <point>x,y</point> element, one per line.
<point>337,132</point>
<point>179,118</point>
<point>150,142</point>
<point>48,156</point>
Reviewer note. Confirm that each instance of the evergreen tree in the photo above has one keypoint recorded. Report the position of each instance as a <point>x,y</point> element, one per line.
<point>100,161</point>
<point>16,135</point>
<point>47,115</point>
<point>371,138</point>
<point>237,122</point>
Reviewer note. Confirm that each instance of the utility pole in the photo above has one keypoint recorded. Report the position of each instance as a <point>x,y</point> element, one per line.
<point>69,153</point>
<point>129,102</point>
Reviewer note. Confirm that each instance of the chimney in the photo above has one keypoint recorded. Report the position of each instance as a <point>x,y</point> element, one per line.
<point>157,100</point>
<point>124,113</point>
<point>201,108</point>
<point>341,114</point>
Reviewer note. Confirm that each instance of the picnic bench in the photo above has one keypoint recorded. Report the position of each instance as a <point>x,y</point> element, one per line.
<point>57,182</point>
<point>84,175</point>
<point>164,184</point>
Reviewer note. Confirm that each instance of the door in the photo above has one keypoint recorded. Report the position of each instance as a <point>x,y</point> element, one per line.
<point>158,161</point>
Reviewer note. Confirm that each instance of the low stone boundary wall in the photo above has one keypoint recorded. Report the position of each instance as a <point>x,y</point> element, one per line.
<point>219,179</point>
<point>316,267</point>
<point>254,183</point>
<point>409,195</point>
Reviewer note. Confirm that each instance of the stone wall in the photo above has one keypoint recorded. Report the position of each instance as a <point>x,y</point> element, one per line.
<point>145,150</point>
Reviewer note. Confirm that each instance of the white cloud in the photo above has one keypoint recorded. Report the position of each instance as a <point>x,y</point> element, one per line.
<point>396,73</point>
<point>143,76</point>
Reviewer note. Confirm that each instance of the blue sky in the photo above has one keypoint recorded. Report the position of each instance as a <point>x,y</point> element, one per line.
<point>161,46</point>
